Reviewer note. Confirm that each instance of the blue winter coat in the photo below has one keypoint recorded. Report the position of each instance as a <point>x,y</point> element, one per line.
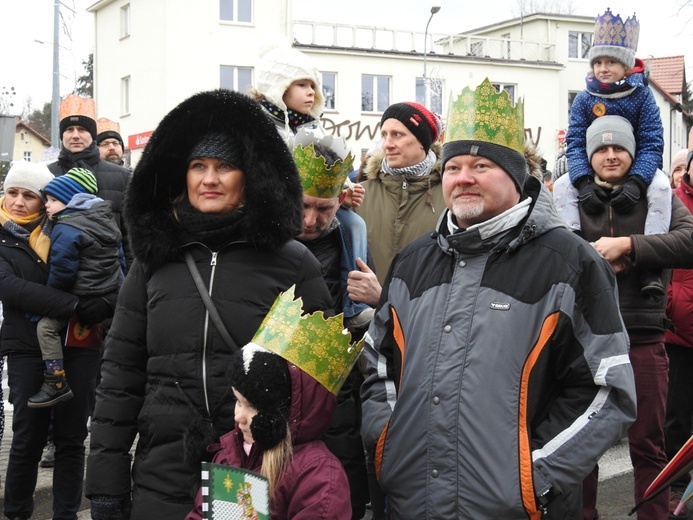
<point>638,106</point>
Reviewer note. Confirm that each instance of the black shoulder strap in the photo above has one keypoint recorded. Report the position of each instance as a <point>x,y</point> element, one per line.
<point>211,308</point>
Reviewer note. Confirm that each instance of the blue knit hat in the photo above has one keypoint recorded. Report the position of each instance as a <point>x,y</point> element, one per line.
<point>77,180</point>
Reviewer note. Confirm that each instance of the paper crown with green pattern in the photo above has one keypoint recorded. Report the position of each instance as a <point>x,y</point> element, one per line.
<point>318,179</point>
<point>484,114</point>
<point>320,347</point>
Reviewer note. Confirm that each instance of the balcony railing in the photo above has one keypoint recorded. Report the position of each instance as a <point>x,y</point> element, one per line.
<point>362,37</point>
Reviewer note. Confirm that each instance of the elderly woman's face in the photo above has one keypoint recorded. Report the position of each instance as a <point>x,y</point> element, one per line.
<point>401,147</point>
<point>215,186</point>
<point>22,203</point>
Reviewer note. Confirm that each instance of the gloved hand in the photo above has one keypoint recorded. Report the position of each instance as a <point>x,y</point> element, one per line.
<point>591,196</point>
<point>628,194</point>
<point>91,311</point>
<point>106,507</point>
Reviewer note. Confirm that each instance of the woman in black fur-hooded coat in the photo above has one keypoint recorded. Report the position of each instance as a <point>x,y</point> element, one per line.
<point>163,374</point>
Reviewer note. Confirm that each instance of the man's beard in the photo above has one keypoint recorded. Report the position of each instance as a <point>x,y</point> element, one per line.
<point>466,210</point>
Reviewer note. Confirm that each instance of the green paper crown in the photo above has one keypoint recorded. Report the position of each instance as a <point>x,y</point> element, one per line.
<point>320,347</point>
<point>486,115</point>
<point>318,179</point>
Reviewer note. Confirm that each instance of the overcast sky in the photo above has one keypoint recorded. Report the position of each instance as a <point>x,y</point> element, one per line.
<point>666,29</point>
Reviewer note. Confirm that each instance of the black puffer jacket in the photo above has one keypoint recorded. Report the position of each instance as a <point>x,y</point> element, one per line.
<point>164,367</point>
<point>23,291</point>
<point>111,178</point>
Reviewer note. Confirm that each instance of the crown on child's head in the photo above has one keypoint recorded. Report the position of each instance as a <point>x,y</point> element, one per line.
<point>484,114</point>
<point>318,179</point>
<point>320,347</point>
<point>610,29</point>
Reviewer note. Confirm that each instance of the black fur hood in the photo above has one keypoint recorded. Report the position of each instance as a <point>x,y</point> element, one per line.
<point>273,205</point>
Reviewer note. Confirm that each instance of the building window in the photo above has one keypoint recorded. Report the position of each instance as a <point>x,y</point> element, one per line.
<point>579,45</point>
<point>236,10</point>
<point>125,95</point>
<point>329,87</point>
<point>125,21</point>
<point>27,156</point>
<point>436,89</point>
<point>239,79</point>
<point>375,93</point>
<point>571,99</point>
<point>510,89</point>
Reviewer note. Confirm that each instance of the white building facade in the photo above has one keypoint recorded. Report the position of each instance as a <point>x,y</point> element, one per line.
<point>152,54</point>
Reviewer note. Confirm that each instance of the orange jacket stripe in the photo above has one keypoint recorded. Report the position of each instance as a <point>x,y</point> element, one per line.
<point>526,482</point>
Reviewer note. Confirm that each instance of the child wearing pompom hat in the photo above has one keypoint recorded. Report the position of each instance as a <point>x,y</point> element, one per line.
<point>280,414</point>
<point>86,259</point>
<point>617,86</point>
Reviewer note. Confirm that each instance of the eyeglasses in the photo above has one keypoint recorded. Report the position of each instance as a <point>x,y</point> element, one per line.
<point>107,144</point>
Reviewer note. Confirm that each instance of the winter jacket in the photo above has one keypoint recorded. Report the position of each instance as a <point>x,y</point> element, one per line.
<point>644,314</point>
<point>111,178</point>
<point>314,486</point>
<point>398,209</point>
<point>680,301</point>
<point>164,366</point>
<point>497,370</point>
<point>23,291</point>
<point>638,106</point>
<point>86,256</point>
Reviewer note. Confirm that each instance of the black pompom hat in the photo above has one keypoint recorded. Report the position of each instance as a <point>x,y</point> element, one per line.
<point>263,378</point>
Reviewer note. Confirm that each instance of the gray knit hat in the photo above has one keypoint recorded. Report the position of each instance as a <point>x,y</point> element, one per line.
<point>610,131</point>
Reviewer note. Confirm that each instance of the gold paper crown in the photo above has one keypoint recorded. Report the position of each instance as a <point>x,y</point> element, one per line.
<point>609,29</point>
<point>74,105</point>
<point>486,115</point>
<point>320,347</point>
<point>106,125</point>
<point>318,179</point>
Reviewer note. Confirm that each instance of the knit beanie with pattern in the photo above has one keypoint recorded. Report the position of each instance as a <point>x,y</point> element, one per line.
<point>420,121</point>
<point>76,180</point>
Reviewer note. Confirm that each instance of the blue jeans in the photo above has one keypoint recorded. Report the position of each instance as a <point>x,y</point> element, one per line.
<point>30,429</point>
<point>354,245</point>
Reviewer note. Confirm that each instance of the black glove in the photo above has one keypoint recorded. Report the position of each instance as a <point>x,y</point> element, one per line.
<point>592,197</point>
<point>91,311</point>
<point>628,194</point>
<point>105,507</point>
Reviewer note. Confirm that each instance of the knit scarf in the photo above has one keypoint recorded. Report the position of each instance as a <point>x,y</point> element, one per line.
<point>87,158</point>
<point>34,229</point>
<point>594,86</point>
<point>417,170</point>
<point>296,119</point>
<point>211,229</point>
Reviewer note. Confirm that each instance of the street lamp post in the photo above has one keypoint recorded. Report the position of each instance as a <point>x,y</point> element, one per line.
<point>55,101</point>
<point>427,89</point>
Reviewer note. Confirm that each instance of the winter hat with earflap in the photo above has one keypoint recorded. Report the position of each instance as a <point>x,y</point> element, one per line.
<point>263,378</point>
<point>76,180</point>
<point>279,67</point>
<point>420,121</point>
<point>610,131</point>
<point>615,38</point>
<point>28,176</point>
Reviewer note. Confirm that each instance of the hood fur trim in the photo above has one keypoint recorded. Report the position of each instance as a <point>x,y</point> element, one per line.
<point>274,201</point>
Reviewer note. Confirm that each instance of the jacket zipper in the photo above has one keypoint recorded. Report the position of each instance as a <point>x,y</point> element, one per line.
<point>213,263</point>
